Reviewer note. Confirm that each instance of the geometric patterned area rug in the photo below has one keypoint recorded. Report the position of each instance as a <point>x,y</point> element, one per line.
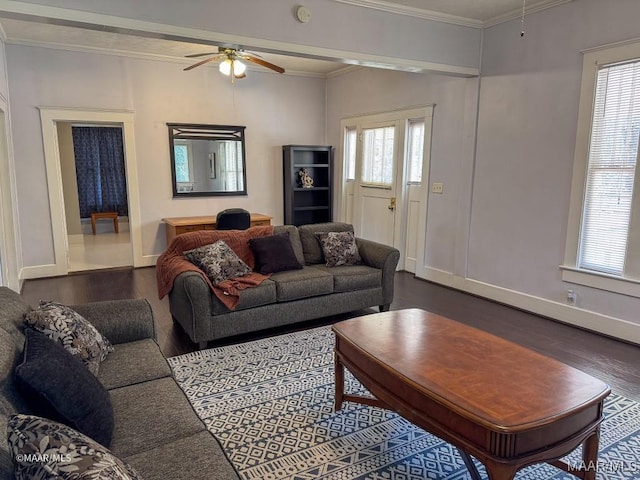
<point>270,403</point>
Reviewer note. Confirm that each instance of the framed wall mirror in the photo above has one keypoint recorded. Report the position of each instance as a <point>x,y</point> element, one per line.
<point>207,160</point>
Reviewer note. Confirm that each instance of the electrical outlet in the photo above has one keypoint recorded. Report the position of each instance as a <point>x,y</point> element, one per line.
<point>572,297</point>
<point>437,187</point>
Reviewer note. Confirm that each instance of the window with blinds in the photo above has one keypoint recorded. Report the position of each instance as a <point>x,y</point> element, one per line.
<point>611,171</point>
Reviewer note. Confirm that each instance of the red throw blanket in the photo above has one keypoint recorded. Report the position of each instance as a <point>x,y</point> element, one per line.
<point>172,262</point>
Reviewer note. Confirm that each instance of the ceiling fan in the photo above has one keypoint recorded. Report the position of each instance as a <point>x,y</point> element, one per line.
<point>231,64</point>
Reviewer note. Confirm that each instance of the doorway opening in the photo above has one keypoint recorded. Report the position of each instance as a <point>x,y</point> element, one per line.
<point>94,186</point>
<point>104,243</point>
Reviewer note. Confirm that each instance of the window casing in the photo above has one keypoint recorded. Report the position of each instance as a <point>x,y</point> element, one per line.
<point>603,235</point>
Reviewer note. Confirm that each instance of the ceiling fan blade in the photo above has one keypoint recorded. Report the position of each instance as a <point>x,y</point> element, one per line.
<point>195,55</point>
<point>264,63</point>
<point>212,59</point>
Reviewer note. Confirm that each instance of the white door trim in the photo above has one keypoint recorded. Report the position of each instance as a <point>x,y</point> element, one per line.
<point>49,118</point>
<point>10,246</point>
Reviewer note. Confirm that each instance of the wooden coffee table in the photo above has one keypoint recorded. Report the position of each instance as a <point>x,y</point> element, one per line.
<point>502,403</point>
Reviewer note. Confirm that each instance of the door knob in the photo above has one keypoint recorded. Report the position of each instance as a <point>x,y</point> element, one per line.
<point>392,203</point>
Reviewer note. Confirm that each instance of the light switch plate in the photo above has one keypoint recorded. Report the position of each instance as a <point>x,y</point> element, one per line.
<point>437,187</point>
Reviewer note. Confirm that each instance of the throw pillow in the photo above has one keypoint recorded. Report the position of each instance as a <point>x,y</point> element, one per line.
<point>339,248</point>
<point>274,253</point>
<point>218,261</point>
<point>42,449</point>
<point>72,330</point>
<point>62,388</point>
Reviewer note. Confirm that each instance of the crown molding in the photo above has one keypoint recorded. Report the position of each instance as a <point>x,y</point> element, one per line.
<point>516,14</point>
<point>144,56</point>
<point>391,7</point>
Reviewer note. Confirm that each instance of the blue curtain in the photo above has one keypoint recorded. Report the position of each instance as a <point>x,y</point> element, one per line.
<point>100,170</point>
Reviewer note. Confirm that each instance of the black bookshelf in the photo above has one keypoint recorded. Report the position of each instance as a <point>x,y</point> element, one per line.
<point>307,205</point>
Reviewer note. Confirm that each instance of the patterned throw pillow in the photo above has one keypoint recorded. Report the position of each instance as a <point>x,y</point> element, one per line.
<point>339,248</point>
<point>72,330</point>
<point>218,261</point>
<point>43,449</point>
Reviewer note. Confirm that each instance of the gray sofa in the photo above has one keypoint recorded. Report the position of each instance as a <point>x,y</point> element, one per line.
<point>156,430</point>
<point>292,296</point>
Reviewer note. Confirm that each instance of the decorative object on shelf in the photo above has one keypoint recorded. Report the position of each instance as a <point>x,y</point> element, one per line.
<point>231,64</point>
<point>305,179</point>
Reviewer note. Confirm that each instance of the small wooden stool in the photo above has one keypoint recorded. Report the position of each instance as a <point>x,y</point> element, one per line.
<point>98,215</point>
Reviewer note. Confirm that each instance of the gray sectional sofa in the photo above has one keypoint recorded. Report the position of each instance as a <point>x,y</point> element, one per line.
<point>156,430</point>
<point>292,296</point>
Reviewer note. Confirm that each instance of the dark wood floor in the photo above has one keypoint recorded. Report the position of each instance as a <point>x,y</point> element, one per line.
<point>614,362</point>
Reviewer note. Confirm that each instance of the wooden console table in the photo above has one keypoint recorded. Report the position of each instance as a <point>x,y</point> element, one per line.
<point>178,225</point>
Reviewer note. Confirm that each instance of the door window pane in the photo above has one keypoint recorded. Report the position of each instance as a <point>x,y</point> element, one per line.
<point>415,148</point>
<point>350,138</point>
<point>377,156</point>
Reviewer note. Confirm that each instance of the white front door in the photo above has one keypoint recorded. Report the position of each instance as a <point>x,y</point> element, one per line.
<point>375,182</point>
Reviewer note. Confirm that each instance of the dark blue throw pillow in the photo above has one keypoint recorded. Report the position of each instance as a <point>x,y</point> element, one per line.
<point>60,386</point>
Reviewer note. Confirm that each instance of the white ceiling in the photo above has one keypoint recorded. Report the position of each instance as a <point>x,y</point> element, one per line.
<point>465,12</point>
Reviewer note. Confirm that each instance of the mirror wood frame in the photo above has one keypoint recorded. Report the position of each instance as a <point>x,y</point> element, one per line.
<point>204,132</point>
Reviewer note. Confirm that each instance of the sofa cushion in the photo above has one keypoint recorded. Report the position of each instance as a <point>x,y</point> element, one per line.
<point>218,261</point>
<point>72,331</point>
<point>296,284</point>
<point>262,294</point>
<point>41,448</point>
<point>347,278</point>
<point>63,389</point>
<point>274,253</point>
<point>339,248</point>
<point>294,236</point>
<point>200,457</point>
<point>150,414</point>
<point>311,244</point>
<point>145,354</point>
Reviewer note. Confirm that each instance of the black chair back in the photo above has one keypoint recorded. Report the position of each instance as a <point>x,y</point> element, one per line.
<point>233,219</point>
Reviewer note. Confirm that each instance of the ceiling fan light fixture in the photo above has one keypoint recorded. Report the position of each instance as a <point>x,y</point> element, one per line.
<point>239,68</point>
<point>225,67</point>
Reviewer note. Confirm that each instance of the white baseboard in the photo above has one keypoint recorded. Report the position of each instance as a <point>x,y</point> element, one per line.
<point>148,261</point>
<point>39,271</point>
<point>587,319</point>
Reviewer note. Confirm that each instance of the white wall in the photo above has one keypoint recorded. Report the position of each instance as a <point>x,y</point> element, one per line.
<point>276,109</point>
<point>526,138</point>
<point>371,91</point>
<point>509,205</point>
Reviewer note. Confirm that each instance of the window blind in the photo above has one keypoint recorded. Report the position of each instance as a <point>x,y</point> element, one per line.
<point>613,154</point>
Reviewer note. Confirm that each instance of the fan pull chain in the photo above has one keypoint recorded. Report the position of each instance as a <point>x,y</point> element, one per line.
<point>524,2</point>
